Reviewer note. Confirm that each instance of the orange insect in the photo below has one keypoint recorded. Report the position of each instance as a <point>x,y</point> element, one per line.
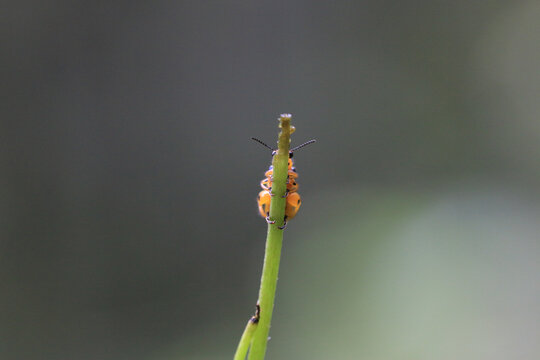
<point>292,186</point>
<point>293,200</point>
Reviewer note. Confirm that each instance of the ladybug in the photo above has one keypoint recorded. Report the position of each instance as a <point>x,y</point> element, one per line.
<point>293,200</point>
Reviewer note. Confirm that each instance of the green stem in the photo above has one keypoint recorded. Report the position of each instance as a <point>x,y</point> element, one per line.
<point>274,240</point>
<point>245,340</point>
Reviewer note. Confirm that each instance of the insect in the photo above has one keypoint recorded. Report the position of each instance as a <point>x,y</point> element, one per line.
<point>293,200</point>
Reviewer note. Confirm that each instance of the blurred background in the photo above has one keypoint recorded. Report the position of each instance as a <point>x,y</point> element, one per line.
<point>128,222</point>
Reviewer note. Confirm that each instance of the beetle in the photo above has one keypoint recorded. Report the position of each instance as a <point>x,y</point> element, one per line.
<point>292,198</point>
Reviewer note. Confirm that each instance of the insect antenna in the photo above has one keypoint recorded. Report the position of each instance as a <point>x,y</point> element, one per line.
<point>260,142</point>
<point>301,146</point>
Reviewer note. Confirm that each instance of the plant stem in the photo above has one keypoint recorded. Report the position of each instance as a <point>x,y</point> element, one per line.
<point>274,240</point>
<point>245,340</point>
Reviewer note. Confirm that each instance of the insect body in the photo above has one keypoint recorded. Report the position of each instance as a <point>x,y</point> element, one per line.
<point>292,186</point>
<point>293,200</point>
<point>263,199</point>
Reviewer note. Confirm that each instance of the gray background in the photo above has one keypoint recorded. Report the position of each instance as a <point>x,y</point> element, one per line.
<point>128,222</point>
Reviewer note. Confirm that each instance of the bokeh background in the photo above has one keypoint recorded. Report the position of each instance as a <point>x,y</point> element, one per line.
<point>129,227</point>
